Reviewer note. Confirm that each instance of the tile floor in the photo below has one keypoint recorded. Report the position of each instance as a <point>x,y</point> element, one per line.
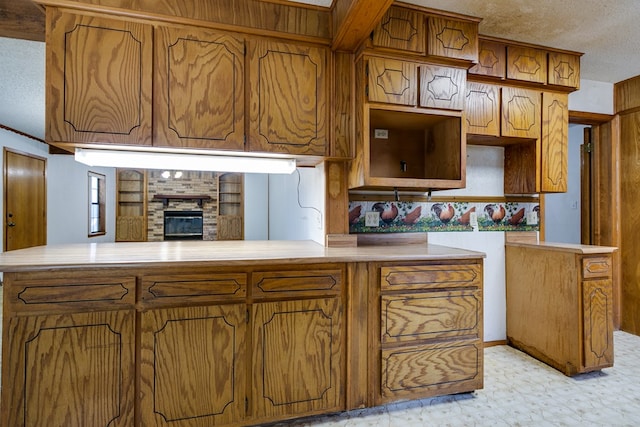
<point>518,391</point>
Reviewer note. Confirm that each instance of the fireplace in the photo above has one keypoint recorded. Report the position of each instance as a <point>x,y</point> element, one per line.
<point>182,225</point>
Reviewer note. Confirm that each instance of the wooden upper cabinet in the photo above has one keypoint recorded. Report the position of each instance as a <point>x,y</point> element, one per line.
<point>564,69</point>
<point>401,29</point>
<point>492,59</point>
<point>392,81</point>
<point>98,80</point>
<point>198,89</point>
<point>288,98</point>
<point>452,38</point>
<point>527,64</point>
<point>555,141</point>
<point>442,87</point>
<point>482,109</point>
<point>521,112</point>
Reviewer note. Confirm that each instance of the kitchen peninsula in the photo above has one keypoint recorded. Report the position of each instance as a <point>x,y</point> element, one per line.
<point>233,333</point>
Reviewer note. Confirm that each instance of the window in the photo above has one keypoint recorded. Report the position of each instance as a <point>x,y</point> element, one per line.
<point>97,196</point>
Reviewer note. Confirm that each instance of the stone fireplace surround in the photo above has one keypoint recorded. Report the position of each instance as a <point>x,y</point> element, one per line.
<point>191,182</point>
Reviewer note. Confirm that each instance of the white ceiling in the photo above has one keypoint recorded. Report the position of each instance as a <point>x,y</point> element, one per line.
<point>604,30</point>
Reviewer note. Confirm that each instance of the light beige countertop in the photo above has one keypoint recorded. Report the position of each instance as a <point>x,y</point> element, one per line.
<point>566,247</point>
<point>199,253</point>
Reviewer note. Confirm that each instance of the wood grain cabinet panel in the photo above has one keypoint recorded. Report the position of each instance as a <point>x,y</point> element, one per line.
<point>573,331</point>
<point>452,38</point>
<point>70,369</point>
<point>421,277</point>
<point>297,357</point>
<point>301,283</point>
<point>527,64</point>
<point>98,80</point>
<point>431,328</point>
<point>193,366</point>
<point>492,59</point>
<point>198,89</point>
<point>482,108</point>
<point>595,267</point>
<point>521,112</point>
<point>288,98</point>
<point>410,317</point>
<point>401,29</point>
<point>392,81</point>
<point>554,142</point>
<point>442,87</point>
<point>431,370</point>
<point>564,69</point>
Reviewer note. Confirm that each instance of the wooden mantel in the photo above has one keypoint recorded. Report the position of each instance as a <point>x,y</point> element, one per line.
<point>166,197</point>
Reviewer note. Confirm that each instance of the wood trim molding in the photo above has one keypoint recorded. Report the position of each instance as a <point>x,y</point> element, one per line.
<point>353,21</point>
<point>585,118</point>
<point>26,135</point>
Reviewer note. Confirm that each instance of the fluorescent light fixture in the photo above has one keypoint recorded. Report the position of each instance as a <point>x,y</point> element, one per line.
<point>182,161</point>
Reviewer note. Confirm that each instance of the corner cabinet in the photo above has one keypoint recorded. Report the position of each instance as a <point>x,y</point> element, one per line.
<point>409,132</point>
<point>98,80</point>
<point>288,98</point>
<point>568,291</point>
<point>198,89</point>
<point>131,205</point>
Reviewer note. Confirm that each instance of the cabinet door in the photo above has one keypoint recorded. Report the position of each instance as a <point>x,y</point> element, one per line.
<point>452,38</point>
<point>554,142</point>
<point>521,112</point>
<point>198,89</point>
<point>401,29</point>
<point>98,80</point>
<point>527,64</point>
<point>392,81</point>
<point>492,59</point>
<point>192,366</point>
<point>442,87</point>
<point>70,369</point>
<point>288,98</point>
<point>597,300</point>
<point>483,109</point>
<point>564,69</point>
<point>297,357</point>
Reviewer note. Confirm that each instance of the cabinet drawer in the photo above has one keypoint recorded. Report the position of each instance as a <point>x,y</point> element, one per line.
<point>60,295</point>
<point>423,277</point>
<point>442,87</point>
<point>430,315</point>
<point>423,371</point>
<point>299,283</point>
<point>596,267</point>
<point>203,287</point>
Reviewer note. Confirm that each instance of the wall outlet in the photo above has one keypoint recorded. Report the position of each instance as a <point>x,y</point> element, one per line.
<point>372,219</point>
<point>318,220</point>
<point>532,218</point>
<point>381,133</point>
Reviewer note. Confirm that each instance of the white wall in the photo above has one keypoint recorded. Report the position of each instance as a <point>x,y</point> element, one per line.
<point>593,97</point>
<point>256,206</point>
<point>485,177</point>
<point>562,210</point>
<point>67,193</point>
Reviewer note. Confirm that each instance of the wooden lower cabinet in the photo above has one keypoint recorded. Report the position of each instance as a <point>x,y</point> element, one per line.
<point>70,370</point>
<point>193,365</point>
<point>297,358</point>
<point>560,305</point>
<point>430,330</point>
<point>226,345</point>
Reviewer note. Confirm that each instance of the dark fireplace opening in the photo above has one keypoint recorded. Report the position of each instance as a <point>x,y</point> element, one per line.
<point>183,225</point>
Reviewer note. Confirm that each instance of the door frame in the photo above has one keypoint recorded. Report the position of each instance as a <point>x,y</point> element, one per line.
<point>5,152</point>
<point>600,191</point>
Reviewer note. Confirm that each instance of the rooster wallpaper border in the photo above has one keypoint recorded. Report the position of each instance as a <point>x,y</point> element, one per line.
<point>415,216</point>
